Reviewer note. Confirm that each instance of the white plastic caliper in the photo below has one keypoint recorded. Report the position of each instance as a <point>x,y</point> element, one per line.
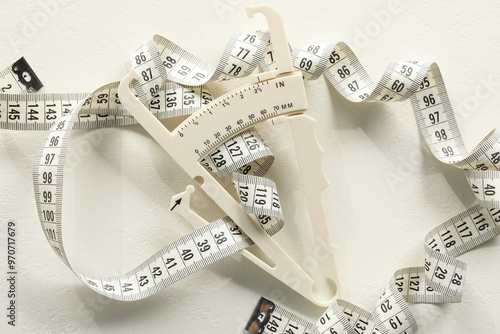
<point>281,92</point>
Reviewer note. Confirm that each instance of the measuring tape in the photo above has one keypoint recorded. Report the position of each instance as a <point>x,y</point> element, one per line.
<point>439,280</point>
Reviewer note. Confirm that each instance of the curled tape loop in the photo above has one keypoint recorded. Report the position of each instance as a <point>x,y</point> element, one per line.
<point>175,261</point>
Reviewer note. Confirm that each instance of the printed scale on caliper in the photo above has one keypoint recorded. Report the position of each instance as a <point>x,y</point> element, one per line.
<point>217,139</point>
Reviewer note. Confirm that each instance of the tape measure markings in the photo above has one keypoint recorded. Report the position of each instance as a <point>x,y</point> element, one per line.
<point>411,283</point>
<point>153,76</point>
<point>355,315</point>
<point>246,148</point>
<point>262,200</point>
<point>392,313</point>
<point>41,111</point>
<point>489,182</point>
<point>477,223</point>
<point>247,168</point>
<point>203,73</point>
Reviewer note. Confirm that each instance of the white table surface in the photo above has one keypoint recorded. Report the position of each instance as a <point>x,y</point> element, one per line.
<point>387,190</point>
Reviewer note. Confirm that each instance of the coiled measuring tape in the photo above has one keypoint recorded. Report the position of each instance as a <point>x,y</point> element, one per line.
<point>439,280</point>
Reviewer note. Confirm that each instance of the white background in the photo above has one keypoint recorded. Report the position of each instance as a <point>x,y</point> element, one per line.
<point>386,193</point>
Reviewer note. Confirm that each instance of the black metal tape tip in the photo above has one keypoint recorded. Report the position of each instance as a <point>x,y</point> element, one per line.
<point>260,316</point>
<point>26,76</point>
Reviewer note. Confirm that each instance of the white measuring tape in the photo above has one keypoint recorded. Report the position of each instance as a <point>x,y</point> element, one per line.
<point>229,147</point>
